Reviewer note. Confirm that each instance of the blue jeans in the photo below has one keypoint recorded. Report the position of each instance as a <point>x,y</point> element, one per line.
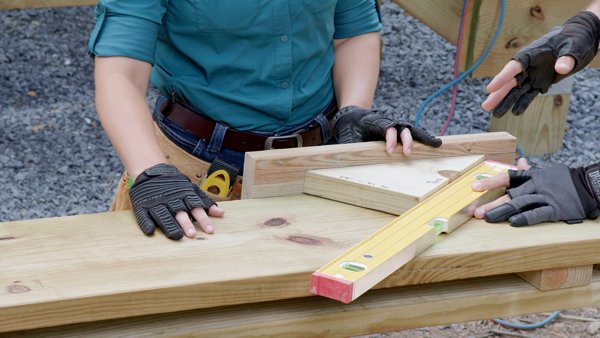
<point>209,152</point>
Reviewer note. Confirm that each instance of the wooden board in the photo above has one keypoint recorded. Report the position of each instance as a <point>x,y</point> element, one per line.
<point>19,4</point>
<point>442,17</point>
<point>364,265</point>
<point>92,267</point>
<point>560,278</point>
<point>280,172</point>
<point>525,21</point>
<point>378,311</point>
<point>541,129</point>
<point>388,187</point>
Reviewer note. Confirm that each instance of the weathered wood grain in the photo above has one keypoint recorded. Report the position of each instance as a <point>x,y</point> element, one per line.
<point>389,187</point>
<point>280,172</point>
<point>93,267</point>
<point>541,129</point>
<point>560,278</point>
<point>378,311</point>
<point>525,21</point>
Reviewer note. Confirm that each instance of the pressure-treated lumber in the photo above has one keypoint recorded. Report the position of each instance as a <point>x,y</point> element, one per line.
<point>525,21</point>
<point>92,267</point>
<point>560,278</point>
<point>378,311</point>
<point>63,270</point>
<point>388,187</point>
<point>280,172</point>
<point>19,4</point>
<point>541,128</point>
<point>442,17</point>
<point>361,267</point>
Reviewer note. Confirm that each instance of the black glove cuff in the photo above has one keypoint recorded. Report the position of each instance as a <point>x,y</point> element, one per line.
<point>587,184</point>
<point>354,113</point>
<point>589,20</point>
<point>517,177</point>
<point>592,175</point>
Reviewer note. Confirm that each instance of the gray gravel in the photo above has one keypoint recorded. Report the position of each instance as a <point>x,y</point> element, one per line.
<point>56,160</point>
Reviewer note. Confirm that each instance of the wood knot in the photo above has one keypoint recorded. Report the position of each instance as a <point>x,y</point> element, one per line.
<point>514,43</point>
<point>558,100</point>
<point>17,288</point>
<point>304,240</point>
<point>449,173</point>
<point>275,222</point>
<point>537,12</point>
<point>3,238</point>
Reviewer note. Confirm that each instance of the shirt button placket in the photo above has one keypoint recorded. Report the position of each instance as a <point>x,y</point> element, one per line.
<point>284,61</point>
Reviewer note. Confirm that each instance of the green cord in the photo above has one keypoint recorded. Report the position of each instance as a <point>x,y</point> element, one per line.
<point>473,33</point>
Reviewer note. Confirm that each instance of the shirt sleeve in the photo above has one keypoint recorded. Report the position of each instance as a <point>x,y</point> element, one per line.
<point>127,28</point>
<point>356,17</point>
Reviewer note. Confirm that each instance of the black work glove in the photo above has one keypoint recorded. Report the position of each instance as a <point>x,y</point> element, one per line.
<point>578,38</point>
<point>160,192</point>
<point>354,124</point>
<point>556,193</point>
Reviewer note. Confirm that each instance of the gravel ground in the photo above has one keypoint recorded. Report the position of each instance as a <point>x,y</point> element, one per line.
<point>57,160</point>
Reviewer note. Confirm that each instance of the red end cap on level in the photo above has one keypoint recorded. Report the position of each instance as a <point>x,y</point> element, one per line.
<point>331,287</point>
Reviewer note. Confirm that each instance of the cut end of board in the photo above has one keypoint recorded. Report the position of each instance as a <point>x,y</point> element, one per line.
<point>331,287</point>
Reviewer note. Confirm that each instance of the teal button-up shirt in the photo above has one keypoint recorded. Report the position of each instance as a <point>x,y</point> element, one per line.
<point>259,65</point>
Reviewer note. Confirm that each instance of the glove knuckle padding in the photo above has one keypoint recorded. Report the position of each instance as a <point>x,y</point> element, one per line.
<point>552,187</point>
<point>144,221</point>
<point>423,136</point>
<point>193,202</point>
<point>375,125</point>
<point>355,124</point>
<point>176,206</point>
<point>346,124</point>
<point>159,193</point>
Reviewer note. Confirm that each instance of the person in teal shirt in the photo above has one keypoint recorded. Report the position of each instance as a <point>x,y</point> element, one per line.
<point>234,76</point>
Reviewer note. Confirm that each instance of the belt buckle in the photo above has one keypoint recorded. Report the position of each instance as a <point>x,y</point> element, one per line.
<point>270,139</point>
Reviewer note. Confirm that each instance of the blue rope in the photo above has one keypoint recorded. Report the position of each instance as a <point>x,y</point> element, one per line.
<point>528,326</point>
<point>520,151</point>
<point>469,71</point>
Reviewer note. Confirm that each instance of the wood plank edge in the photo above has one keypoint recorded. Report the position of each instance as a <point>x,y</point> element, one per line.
<point>379,311</point>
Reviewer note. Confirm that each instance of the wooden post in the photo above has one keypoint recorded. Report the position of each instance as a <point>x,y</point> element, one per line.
<point>524,21</point>
<point>541,128</point>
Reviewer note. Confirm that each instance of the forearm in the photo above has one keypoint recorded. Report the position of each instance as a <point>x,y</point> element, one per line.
<point>356,70</point>
<point>121,86</point>
<point>594,7</point>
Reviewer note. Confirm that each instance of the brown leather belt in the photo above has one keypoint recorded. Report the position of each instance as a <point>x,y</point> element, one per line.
<point>239,140</point>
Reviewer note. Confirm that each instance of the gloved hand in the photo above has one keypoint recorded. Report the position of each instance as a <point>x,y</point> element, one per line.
<point>578,38</point>
<point>556,193</point>
<point>159,193</point>
<point>354,124</point>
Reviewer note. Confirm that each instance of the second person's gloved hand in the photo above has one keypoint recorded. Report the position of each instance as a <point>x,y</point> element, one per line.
<point>354,124</point>
<point>159,193</point>
<point>556,193</point>
<point>578,38</point>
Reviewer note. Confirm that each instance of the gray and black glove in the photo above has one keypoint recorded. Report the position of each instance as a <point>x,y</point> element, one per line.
<point>578,38</point>
<point>160,192</point>
<point>354,124</point>
<point>556,193</point>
